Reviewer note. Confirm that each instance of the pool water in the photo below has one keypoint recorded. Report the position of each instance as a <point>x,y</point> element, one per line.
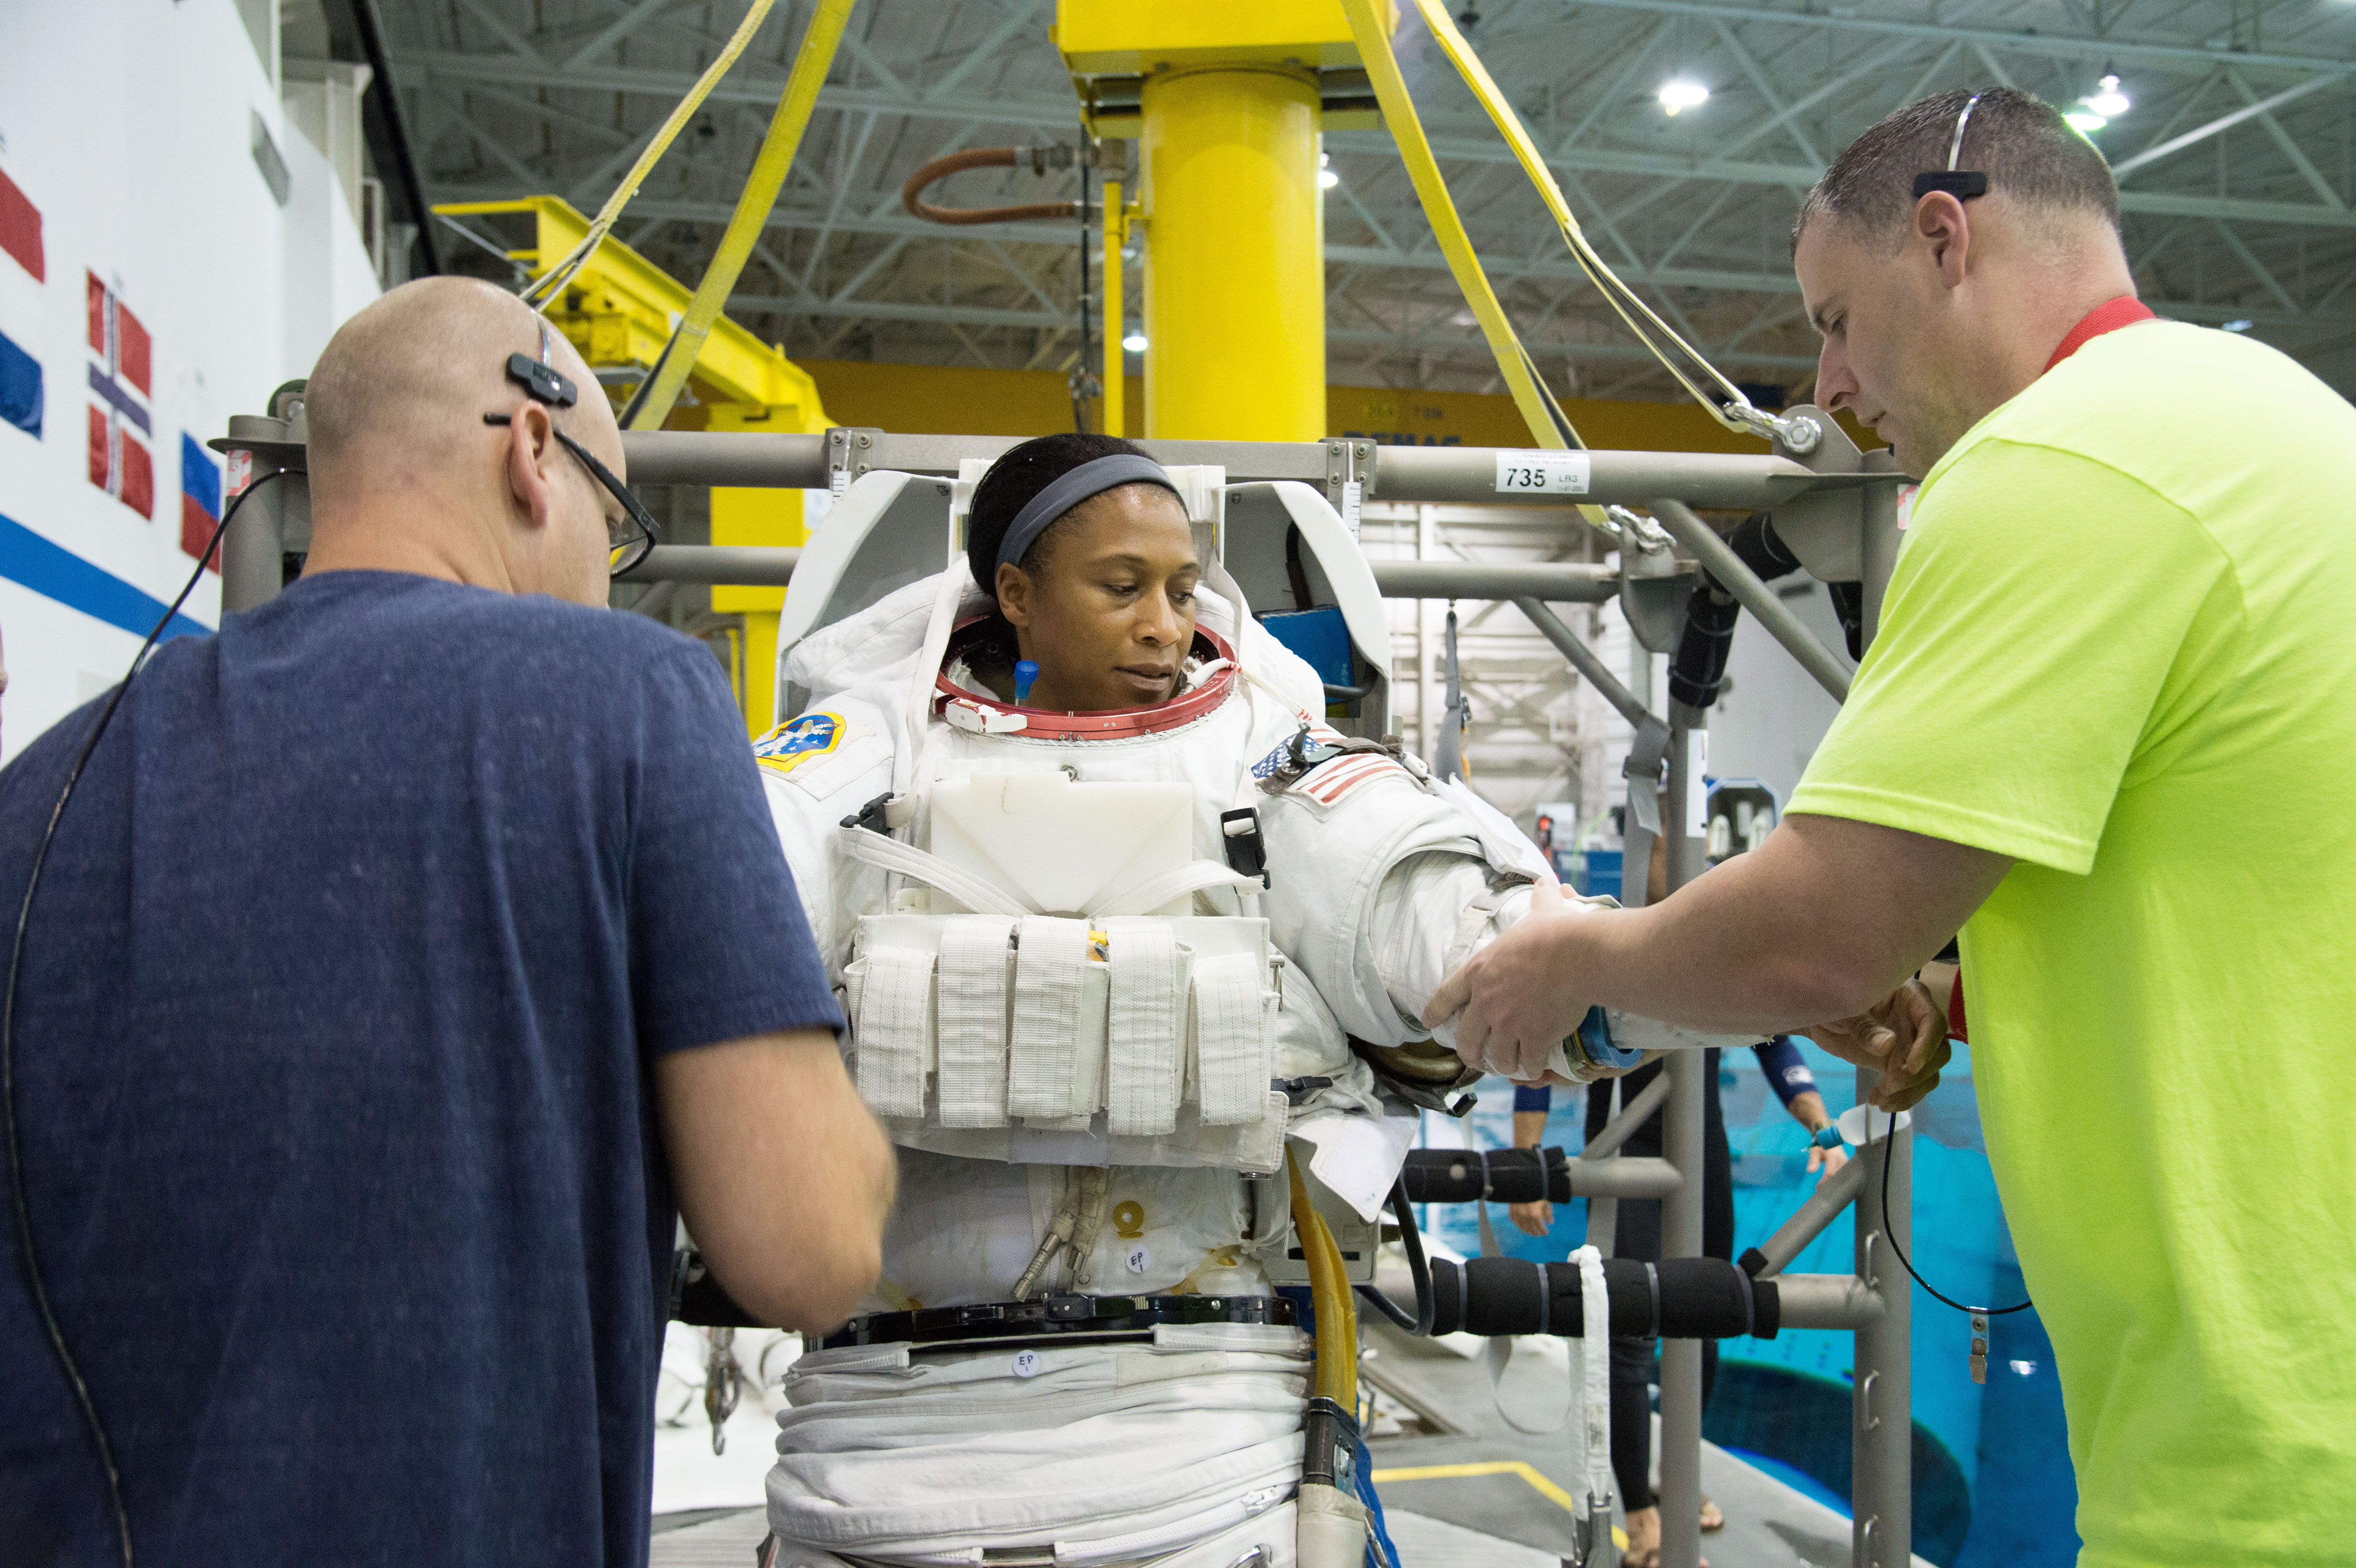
<point>1993,1487</point>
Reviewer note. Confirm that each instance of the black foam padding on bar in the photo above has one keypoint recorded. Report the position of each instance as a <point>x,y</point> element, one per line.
<point>1515,1176</point>
<point>1848,603</point>
<point>1700,666</point>
<point>1701,1299</point>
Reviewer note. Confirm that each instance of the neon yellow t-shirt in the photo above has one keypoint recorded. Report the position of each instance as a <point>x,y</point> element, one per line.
<point>2120,647</point>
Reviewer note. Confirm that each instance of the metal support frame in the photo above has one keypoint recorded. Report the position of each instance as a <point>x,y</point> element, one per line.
<point>1871,1303</point>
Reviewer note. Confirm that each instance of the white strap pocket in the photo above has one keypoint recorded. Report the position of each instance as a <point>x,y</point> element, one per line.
<point>976,961</point>
<point>1043,1057</point>
<point>895,1030</point>
<point>1146,1071</point>
<point>1231,1039</point>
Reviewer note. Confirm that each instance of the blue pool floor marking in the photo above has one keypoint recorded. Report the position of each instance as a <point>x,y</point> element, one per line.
<point>55,572</point>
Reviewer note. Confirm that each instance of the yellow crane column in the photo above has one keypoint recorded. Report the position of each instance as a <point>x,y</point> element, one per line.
<point>1228,101</point>
<point>1235,269</point>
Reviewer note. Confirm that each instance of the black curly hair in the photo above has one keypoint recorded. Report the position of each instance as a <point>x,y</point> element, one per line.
<point>1010,484</point>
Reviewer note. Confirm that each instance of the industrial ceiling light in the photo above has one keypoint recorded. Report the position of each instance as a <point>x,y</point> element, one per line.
<point>1327,178</point>
<point>2085,121</point>
<point>1134,343</point>
<point>2108,101</point>
<point>2242,325</point>
<point>1678,93</point>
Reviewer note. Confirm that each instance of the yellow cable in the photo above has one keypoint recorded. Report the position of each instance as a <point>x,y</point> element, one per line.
<point>1615,293</point>
<point>1328,1292</point>
<point>795,107</point>
<point>1549,425</point>
<point>556,277</point>
<point>1423,170</point>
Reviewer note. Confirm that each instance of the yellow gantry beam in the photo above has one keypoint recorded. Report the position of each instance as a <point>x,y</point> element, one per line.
<point>620,309</point>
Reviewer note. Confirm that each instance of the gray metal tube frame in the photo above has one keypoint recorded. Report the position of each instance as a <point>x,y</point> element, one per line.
<point>1465,475</point>
<point>1721,562</point>
<point>1582,659</point>
<point>1628,1177</point>
<point>1564,582</point>
<point>1681,1232</point>
<point>744,566</point>
<point>1622,1127</point>
<point>1827,1301</point>
<point>771,565</point>
<point>1881,1437</point>
<point>1824,1205</point>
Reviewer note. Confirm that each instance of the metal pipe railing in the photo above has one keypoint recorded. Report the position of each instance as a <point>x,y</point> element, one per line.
<point>1833,1195</point>
<point>1827,1301</point>
<point>1633,1114</point>
<point>1584,660</point>
<point>740,566</point>
<point>1566,582</point>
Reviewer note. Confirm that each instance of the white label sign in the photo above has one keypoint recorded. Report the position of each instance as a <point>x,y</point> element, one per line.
<point>1556,474</point>
<point>1026,1363</point>
<point>1138,1259</point>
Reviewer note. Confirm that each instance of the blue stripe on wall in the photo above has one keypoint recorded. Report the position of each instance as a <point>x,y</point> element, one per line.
<point>55,572</point>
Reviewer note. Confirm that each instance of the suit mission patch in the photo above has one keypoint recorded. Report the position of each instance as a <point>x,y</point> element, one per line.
<point>790,745</point>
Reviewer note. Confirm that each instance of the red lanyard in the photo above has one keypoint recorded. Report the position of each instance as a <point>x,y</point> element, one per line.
<point>2123,311</point>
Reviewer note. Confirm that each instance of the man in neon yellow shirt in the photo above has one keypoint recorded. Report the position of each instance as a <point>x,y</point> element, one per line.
<point>2107,729</point>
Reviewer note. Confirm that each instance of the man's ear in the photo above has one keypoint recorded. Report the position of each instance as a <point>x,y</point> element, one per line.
<point>531,448</point>
<point>1013,590</point>
<point>1944,225</point>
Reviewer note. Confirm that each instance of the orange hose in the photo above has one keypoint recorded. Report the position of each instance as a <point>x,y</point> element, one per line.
<point>912,194</point>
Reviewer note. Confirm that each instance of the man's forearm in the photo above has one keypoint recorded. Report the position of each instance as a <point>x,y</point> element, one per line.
<point>1821,922</point>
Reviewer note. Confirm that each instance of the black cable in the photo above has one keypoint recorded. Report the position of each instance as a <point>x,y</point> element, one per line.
<point>1889,1141</point>
<point>23,1216</point>
<point>1412,1239</point>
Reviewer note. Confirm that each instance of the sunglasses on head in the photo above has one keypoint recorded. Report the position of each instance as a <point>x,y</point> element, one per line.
<point>627,537</point>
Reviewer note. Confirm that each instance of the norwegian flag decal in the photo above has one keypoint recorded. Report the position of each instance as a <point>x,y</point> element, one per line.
<point>120,377</point>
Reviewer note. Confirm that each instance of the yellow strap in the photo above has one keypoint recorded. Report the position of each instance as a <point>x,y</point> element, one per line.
<point>752,207</point>
<point>551,281</point>
<point>1617,293</point>
<point>1423,169</point>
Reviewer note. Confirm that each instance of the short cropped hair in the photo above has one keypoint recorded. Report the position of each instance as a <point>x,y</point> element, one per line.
<point>2020,141</point>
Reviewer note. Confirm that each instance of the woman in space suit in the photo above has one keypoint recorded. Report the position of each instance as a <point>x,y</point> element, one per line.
<point>1115,914</point>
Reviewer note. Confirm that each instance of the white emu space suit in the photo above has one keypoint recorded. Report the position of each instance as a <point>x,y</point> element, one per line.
<point>1090,1036</point>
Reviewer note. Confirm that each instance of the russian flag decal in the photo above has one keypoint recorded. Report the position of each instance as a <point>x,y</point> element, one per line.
<point>200,499</point>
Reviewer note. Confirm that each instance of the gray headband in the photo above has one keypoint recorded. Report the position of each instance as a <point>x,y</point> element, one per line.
<point>1091,478</point>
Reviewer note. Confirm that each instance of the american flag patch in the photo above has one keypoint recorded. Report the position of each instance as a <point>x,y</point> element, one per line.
<point>1327,784</point>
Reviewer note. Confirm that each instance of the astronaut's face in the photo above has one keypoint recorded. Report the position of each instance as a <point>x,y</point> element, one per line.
<point>1109,612</point>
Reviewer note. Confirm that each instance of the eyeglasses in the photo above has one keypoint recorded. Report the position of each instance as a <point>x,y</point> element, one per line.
<point>627,537</point>
<point>1961,183</point>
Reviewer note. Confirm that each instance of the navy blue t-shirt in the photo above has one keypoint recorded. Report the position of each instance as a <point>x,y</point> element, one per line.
<point>332,1067</point>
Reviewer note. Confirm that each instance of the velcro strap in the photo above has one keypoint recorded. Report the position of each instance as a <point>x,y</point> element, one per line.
<point>976,961</point>
<point>895,1014</point>
<point>1042,1058</point>
<point>1231,1039</point>
<point>1146,1074</point>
